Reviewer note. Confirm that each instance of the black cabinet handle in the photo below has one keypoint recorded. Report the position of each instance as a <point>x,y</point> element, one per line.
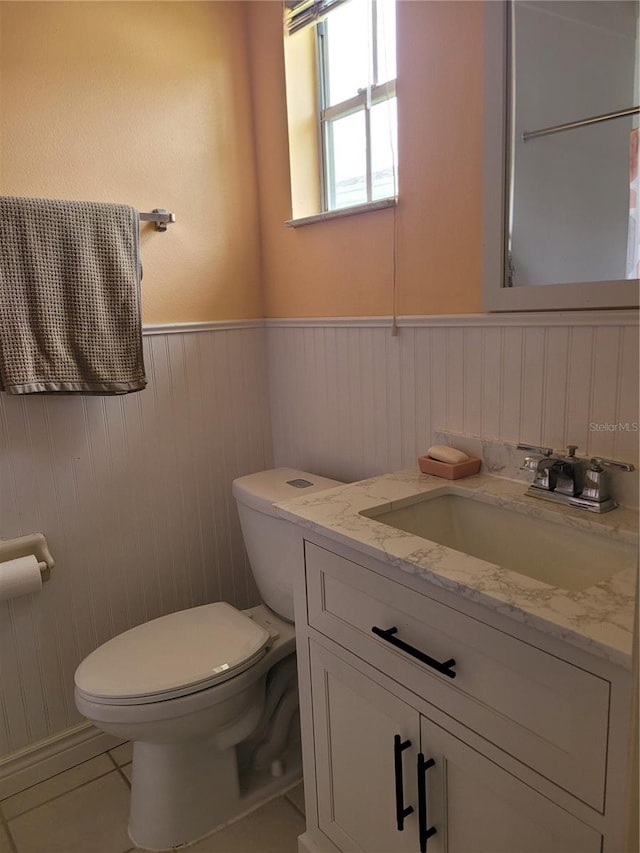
<point>401,812</point>
<point>424,833</point>
<point>444,668</point>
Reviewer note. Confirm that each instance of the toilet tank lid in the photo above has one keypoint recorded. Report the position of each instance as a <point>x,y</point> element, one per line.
<point>261,490</point>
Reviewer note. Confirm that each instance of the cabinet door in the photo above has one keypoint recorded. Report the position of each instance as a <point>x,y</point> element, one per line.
<point>477,807</point>
<point>355,722</point>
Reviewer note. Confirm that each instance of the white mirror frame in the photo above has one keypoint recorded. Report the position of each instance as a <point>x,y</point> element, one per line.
<point>558,297</point>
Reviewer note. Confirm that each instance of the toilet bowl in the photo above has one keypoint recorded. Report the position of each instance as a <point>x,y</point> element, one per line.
<point>189,687</point>
<point>185,778</point>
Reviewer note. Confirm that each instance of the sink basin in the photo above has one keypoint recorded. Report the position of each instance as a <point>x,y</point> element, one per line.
<point>548,551</point>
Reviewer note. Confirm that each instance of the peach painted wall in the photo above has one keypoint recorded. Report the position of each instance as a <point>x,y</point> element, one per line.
<point>146,104</point>
<point>344,267</point>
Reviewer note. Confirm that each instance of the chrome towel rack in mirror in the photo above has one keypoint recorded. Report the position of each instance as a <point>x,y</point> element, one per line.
<point>570,125</point>
<point>160,216</point>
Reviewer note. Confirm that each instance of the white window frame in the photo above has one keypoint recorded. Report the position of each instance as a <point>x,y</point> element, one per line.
<point>364,100</point>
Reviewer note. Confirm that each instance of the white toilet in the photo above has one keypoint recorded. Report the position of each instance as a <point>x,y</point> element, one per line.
<point>204,692</point>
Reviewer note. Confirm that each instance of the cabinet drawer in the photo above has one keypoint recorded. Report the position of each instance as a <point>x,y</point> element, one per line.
<point>550,715</point>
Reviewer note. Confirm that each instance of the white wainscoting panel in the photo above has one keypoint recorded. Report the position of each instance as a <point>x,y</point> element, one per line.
<point>134,496</point>
<point>349,401</point>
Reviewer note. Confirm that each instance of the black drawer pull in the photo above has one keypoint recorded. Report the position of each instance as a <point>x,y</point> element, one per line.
<point>444,668</point>
<point>424,833</point>
<point>401,812</point>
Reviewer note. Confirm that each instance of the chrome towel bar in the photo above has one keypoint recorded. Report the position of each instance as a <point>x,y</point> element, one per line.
<point>160,217</point>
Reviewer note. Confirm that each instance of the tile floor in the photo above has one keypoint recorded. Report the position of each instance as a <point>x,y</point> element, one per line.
<point>85,810</point>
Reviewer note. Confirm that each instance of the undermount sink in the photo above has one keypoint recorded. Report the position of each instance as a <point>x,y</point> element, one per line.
<point>548,551</point>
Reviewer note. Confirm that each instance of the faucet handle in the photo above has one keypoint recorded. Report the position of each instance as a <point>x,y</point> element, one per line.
<point>599,462</point>
<point>543,451</point>
<point>571,448</point>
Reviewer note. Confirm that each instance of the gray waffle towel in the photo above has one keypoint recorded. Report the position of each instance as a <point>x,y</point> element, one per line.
<point>69,297</point>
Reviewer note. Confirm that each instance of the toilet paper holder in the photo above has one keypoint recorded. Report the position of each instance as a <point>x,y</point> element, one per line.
<point>23,546</point>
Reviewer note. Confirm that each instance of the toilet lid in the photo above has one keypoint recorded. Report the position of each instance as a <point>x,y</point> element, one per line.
<point>172,656</point>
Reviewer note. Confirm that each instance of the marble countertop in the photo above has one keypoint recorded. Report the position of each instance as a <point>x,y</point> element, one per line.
<point>598,619</point>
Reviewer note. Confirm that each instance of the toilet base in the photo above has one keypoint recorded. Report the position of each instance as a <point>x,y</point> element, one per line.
<point>180,812</point>
<point>180,792</point>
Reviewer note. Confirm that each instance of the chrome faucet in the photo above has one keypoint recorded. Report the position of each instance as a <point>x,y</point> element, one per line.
<point>566,479</point>
<point>569,473</point>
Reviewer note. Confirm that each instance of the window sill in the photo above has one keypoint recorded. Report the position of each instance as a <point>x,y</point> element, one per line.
<point>380,204</point>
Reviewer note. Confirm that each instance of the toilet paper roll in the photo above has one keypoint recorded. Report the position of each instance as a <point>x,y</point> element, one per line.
<point>19,577</point>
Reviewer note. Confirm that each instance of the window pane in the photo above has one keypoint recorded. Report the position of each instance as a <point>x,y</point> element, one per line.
<point>346,142</point>
<point>386,40</point>
<point>384,149</point>
<point>348,50</point>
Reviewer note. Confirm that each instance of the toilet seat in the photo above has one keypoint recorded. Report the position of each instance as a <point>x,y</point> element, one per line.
<point>172,656</point>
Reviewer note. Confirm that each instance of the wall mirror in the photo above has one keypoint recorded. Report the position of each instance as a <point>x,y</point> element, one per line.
<point>561,210</point>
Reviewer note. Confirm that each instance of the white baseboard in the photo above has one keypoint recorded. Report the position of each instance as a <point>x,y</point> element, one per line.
<point>306,844</point>
<point>40,761</point>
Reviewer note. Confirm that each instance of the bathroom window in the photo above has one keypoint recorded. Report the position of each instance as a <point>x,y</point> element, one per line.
<point>354,98</point>
<point>357,96</point>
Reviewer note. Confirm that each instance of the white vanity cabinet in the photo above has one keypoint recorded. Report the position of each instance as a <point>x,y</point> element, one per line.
<point>524,748</point>
<point>474,805</point>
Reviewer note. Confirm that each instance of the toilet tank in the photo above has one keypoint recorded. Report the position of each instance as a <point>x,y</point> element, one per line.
<point>272,543</point>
